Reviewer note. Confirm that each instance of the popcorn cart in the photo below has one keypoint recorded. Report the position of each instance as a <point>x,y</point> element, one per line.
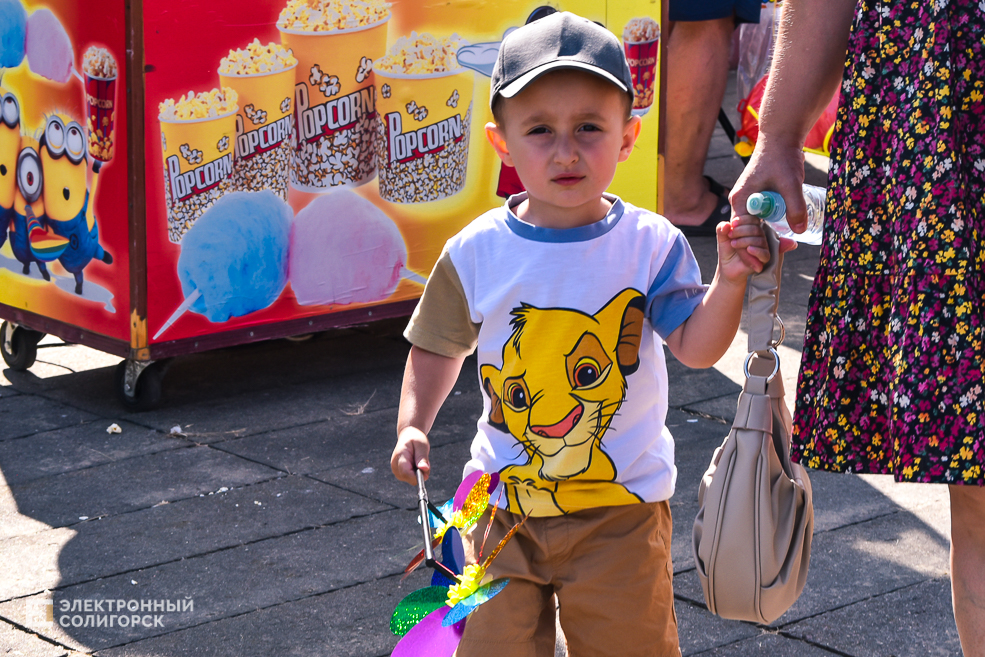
<point>182,176</point>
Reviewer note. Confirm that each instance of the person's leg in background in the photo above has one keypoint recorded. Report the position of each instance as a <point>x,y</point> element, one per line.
<point>697,73</point>
<point>968,566</point>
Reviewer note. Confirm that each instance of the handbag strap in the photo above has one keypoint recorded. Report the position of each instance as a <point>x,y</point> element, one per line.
<point>764,296</point>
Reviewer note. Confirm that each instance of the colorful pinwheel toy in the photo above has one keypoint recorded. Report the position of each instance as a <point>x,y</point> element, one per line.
<point>431,620</point>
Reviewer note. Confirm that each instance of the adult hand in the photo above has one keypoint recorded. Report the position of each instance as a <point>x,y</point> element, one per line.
<point>776,167</point>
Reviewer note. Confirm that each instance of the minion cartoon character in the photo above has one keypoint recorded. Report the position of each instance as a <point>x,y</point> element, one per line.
<point>10,146</point>
<point>28,210</point>
<point>69,204</point>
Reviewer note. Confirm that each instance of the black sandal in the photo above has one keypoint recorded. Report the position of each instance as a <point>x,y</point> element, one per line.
<point>722,212</point>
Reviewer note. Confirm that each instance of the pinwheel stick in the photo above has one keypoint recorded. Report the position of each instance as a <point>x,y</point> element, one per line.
<point>423,504</point>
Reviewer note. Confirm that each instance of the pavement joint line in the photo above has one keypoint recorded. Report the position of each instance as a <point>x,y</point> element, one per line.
<point>869,598</point>
<point>834,651</point>
<point>261,432</point>
<point>137,510</point>
<point>199,555</point>
<point>94,465</point>
<point>723,645</point>
<point>734,395</point>
<point>861,521</point>
<point>311,476</point>
<point>252,460</point>
<point>28,630</point>
<point>706,416</point>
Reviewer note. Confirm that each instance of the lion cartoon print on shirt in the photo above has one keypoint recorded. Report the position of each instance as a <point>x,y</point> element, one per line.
<point>562,381</point>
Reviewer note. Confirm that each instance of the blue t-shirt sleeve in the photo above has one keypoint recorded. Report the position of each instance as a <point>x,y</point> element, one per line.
<point>676,291</point>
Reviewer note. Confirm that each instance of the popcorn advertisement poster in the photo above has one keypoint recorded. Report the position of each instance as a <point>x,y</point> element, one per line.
<point>307,157</point>
<point>296,163</point>
<point>63,163</point>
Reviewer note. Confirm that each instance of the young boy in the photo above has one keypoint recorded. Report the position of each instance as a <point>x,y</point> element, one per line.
<point>561,292</point>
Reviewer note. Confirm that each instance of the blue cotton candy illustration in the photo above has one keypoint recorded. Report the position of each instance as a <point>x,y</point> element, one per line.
<point>234,258</point>
<point>13,33</point>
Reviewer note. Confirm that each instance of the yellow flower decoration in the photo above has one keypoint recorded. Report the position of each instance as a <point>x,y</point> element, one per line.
<point>469,582</point>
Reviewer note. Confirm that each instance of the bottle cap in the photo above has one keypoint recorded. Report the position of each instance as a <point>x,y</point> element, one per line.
<point>759,204</point>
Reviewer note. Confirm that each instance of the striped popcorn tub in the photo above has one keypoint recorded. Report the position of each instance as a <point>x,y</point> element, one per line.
<point>100,84</point>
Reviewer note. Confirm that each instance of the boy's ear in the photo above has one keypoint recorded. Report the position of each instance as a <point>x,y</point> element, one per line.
<point>498,140</point>
<point>630,134</point>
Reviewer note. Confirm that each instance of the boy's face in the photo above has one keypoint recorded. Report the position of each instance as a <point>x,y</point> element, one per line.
<point>565,133</point>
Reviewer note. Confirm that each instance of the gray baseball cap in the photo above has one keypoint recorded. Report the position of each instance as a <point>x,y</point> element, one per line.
<point>561,40</point>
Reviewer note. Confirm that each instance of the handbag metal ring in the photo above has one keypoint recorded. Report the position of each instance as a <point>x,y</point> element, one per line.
<point>776,365</point>
<point>783,331</point>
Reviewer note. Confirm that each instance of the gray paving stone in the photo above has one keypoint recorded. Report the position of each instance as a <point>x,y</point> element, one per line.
<point>167,532</point>
<point>352,622</point>
<point>14,641</point>
<point>345,439</point>
<point>234,581</point>
<point>699,630</point>
<point>78,447</point>
<point>227,373</point>
<point>694,443</point>
<point>7,390</point>
<point>722,408</point>
<point>31,563</point>
<point>131,484</point>
<point>24,415</point>
<point>264,408</point>
<point>689,386</point>
<point>773,645</point>
<point>915,621</point>
<point>447,462</point>
<point>856,562</point>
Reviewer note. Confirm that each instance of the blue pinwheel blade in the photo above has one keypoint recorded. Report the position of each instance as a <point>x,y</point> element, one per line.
<point>453,550</point>
<point>483,594</point>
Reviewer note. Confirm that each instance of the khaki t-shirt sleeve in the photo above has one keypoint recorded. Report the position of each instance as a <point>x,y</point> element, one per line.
<point>441,323</point>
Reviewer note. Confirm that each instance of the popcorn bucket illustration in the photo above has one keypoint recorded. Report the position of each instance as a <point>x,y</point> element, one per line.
<point>264,124</point>
<point>423,121</point>
<point>101,116</point>
<point>198,165</point>
<point>641,40</point>
<point>334,105</point>
<point>100,70</point>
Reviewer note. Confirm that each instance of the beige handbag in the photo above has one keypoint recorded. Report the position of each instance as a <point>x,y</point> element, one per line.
<point>752,534</point>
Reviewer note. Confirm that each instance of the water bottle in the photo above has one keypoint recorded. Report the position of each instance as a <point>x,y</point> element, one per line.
<point>769,206</point>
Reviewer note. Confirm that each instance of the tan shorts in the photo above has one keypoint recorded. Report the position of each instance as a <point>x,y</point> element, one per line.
<point>610,568</point>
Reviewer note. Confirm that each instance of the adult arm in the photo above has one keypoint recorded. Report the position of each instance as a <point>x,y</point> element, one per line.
<point>808,64</point>
<point>428,378</point>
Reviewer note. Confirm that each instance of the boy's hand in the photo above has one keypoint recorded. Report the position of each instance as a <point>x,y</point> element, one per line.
<point>742,248</point>
<point>410,454</point>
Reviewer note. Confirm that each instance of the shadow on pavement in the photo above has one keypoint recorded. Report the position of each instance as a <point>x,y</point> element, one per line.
<point>268,522</point>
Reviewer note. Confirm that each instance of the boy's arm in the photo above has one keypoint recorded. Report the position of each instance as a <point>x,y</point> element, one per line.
<point>705,336</point>
<point>428,378</point>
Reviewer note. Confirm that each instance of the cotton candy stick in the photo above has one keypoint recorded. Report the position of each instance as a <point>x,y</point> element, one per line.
<point>179,311</point>
<point>412,276</point>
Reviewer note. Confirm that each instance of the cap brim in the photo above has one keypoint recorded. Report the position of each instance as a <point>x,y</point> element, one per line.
<point>515,87</point>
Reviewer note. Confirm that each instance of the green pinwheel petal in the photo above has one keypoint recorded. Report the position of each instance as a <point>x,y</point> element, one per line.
<point>415,607</point>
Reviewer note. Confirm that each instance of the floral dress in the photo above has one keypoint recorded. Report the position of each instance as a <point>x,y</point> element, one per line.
<point>892,373</point>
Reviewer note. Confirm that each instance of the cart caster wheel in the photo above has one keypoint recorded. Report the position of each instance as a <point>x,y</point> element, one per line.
<point>19,346</point>
<point>140,388</point>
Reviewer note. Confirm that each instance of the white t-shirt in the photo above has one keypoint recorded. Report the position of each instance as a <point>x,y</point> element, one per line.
<point>573,377</point>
